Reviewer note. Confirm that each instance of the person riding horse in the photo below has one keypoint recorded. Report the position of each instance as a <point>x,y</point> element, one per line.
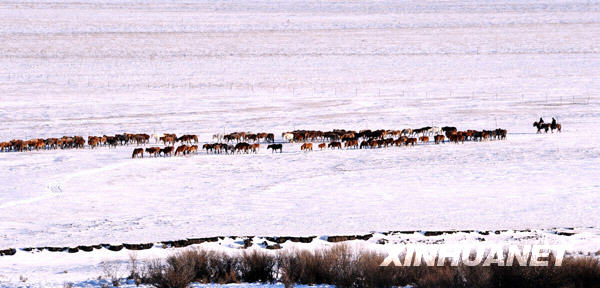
<point>541,121</point>
<point>553,125</point>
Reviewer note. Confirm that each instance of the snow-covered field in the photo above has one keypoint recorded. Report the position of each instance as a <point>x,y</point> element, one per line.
<point>205,67</point>
<point>63,267</point>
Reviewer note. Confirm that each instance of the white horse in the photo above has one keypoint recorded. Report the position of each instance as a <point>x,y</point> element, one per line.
<point>434,130</point>
<point>219,137</point>
<point>289,137</point>
<point>156,137</point>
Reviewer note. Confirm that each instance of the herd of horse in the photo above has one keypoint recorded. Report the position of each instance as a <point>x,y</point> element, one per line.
<point>248,142</point>
<point>216,148</point>
<point>245,137</point>
<point>66,142</point>
<point>369,139</point>
<point>335,139</point>
<point>340,134</point>
<point>74,142</point>
<point>166,151</point>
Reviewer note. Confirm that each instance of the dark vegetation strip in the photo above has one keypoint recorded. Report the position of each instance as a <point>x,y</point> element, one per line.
<point>248,240</point>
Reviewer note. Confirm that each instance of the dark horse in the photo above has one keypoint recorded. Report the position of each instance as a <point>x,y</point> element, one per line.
<point>555,125</point>
<point>275,147</point>
<point>544,126</point>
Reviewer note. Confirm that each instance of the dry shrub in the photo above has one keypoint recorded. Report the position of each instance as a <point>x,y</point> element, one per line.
<point>176,272</point>
<point>370,274</point>
<point>112,271</point>
<point>223,268</point>
<point>338,265</point>
<point>289,265</point>
<point>344,267</point>
<point>202,267</point>
<point>574,272</point>
<point>582,271</point>
<point>304,267</point>
<point>258,266</point>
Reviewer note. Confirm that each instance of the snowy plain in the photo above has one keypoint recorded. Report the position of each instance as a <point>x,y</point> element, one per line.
<point>87,269</point>
<point>205,67</point>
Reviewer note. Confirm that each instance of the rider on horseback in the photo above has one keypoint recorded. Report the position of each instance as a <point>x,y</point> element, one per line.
<point>541,121</point>
<point>553,125</point>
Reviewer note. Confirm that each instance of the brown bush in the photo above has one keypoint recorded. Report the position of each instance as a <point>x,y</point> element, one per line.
<point>344,267</point>
<point>176,272</point>
<point>224,268</point>
<point>258,266</point>
<point>370,274</point>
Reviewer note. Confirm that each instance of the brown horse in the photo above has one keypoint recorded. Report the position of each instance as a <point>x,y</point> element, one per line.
<point>399,141</point>
<point>153,151</point>
<point>79,142</point>
<point>5,146</point>
<point>485,135</point>
<point>322,146</point>
<point>353,143</point>
<point>334,145</point>
<point>270,137</point>
<point>457,138</point>
<point>137,152</point>
<point>255,147</point>
<point>193,149</point>
<point>438,139</point>
<point>251,137</point>
<point>261,136</point>
<point>424,139</point>
<point>93,142</point>
<point>347,136</point>
<point>168,139</point>
<point>184,139</point>
<point>242,147</point>
<point>40,144</point>
<point>306,147</point>
<point>181,149</point>
<point>411,141</point>
<point>217,147</point>
<point>188,139</point>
